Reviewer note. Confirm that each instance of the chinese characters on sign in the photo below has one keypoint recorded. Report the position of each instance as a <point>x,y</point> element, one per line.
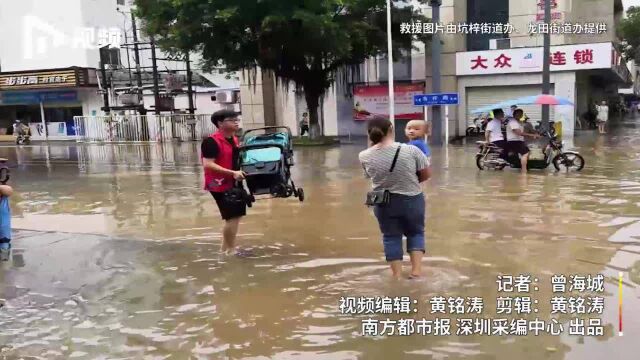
<point>372,100</point>
<point>456,28</point>
<point>555,15</point>
<point>34,80</point>
<point>568,28</point>
<point>522,60</point>
<point>470,310</point>
<point>557,58</point>
<point>417,28</point>
<point>40,79</point>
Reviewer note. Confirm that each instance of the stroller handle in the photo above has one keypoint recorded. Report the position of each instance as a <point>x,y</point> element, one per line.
<point>267,128</point>
<point>260,146</point>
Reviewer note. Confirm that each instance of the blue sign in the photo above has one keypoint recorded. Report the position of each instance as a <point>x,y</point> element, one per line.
<point>435,99</point>
<point>36,97</point>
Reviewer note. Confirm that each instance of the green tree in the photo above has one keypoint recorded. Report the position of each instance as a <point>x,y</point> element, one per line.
<point>310,43</point>
<point>629,30</point>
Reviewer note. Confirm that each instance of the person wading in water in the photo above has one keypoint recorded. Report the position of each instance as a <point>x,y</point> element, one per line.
<point>221,170</point>
<point>397,169</point>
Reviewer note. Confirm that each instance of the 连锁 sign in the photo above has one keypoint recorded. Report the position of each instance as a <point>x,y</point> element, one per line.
<point>523,60</point>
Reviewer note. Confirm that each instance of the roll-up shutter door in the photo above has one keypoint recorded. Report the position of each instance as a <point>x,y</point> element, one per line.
<point>483,96</point>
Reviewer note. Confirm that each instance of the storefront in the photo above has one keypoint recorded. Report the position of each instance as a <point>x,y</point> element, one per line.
<point>582,73</point>
<point>47,100</point>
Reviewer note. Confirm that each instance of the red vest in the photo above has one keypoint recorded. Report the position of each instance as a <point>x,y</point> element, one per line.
<point>214,181</point>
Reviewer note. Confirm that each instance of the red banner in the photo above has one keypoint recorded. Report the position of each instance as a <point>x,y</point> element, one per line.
<point>373,100</point>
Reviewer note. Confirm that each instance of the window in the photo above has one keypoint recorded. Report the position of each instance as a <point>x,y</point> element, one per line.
<point>110,56</point>
<point>486,11</point>
<point>401,68</point>
<point>120,2</point>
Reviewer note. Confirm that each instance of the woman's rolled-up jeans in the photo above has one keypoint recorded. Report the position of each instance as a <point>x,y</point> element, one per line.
<point>403,215</point>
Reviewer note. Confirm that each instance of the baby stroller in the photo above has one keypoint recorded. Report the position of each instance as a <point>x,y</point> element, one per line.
<point>266,159</point>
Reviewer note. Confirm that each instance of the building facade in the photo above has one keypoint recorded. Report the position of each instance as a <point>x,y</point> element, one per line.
<point>586,65</point>
<point>50,65</point>
<point>497,65</point>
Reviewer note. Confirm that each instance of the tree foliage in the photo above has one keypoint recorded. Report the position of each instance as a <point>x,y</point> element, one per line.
<point>629,30</point>
<point>306,42</point>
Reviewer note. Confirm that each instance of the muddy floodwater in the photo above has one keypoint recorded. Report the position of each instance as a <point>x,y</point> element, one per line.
<point>115,256</point>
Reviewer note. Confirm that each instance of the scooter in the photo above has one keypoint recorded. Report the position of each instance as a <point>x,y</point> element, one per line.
<point>552,127</point>
<point>488,157</point>
<point>477,126</point>
<point>23,139</point>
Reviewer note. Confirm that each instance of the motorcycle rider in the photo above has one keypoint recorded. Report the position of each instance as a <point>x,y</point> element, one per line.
<point>515,138</point>
<point>18,128</point>
<point>493,133</point>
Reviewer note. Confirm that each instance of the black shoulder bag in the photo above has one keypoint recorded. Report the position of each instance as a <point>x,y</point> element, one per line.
<point>381,197</point>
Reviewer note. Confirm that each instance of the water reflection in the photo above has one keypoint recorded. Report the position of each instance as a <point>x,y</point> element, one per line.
<point>164,290</point>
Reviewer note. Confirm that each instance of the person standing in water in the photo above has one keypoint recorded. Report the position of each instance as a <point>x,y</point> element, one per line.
<point>5,220</point>
<point>304,124</point>
<point>220,155</point>
<point>393,167</point>
<point>603,116</point>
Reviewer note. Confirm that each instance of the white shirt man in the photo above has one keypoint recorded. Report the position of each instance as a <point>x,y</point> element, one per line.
<point>494,131</point>
<point>512,125</point>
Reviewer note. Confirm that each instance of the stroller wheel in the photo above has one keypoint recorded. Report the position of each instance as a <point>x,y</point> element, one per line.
<point>300,194</point>
<point>289,191</point>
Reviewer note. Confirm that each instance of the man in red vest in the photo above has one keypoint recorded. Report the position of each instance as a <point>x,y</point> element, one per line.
<point>221,170</point>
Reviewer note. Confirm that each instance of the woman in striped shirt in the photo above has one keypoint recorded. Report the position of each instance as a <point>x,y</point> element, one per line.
<point>399,169</point>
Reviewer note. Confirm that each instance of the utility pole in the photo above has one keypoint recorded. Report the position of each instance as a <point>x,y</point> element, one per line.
<point>136,52</point>
<point>143,120</point>
<point>390,66</point>
<point>436,51</point>
<point>546,81</point>
<point>156,88</point>
<point>189,84</point>
<point>103,72</point>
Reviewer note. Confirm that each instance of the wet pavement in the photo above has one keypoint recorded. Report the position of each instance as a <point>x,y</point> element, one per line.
<point>115,256</point>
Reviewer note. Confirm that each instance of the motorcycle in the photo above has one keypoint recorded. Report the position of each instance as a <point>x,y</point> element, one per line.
<point>552,127</point>
<point>477,126</point>
<point>23,139</point>
<point>488,157</point>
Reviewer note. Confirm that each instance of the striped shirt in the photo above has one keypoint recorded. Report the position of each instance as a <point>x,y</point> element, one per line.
<point>404,179</point>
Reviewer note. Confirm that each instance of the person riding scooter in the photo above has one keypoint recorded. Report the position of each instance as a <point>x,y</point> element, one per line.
<point>493,132</point>
<point>515,139</point>
<point>22,132</point>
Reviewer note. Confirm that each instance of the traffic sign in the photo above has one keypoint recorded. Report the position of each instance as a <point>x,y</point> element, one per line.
<point>435,99</point>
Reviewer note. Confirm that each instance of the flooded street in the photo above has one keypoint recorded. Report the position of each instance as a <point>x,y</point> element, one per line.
<point>115,256</point>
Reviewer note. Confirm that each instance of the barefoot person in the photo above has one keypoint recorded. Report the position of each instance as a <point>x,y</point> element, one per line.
<point>393,167</point>
<point>221,169</point>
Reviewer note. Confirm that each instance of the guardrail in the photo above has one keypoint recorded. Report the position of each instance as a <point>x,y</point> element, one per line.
<point>142,128</point>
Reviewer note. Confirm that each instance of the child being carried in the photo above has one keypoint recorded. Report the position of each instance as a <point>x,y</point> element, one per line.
<point>415,132</point>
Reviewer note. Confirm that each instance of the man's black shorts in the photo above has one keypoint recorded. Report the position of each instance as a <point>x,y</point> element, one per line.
<point>229,210</point>
<point>517,147</point>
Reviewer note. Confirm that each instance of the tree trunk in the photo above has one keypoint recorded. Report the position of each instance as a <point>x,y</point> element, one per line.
<point>312,105</point>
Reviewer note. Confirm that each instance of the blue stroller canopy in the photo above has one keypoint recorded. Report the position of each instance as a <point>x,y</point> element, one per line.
<point>261,155</point>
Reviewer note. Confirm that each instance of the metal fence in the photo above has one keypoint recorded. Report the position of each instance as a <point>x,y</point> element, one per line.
<point>142,128</point>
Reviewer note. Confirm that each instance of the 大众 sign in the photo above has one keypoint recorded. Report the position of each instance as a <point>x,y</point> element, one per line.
<point>373,100</point>
<point>522,60</point>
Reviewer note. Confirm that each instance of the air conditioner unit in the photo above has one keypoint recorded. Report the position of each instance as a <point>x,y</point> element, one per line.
<point>496,44</point>
<point>226,97</point>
